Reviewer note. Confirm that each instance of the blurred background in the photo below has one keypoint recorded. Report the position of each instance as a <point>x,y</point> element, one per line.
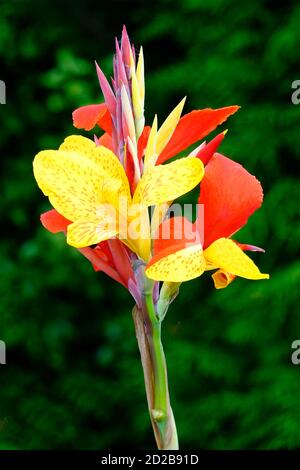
<point>73,376</point>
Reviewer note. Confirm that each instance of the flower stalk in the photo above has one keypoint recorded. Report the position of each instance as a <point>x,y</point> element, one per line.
<point>148,333</point>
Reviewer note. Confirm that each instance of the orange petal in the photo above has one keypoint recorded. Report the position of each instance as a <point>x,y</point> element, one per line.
<point>230,195</point>
<point>54,222</point>
<point>193,127</point>
<point>86,117</point>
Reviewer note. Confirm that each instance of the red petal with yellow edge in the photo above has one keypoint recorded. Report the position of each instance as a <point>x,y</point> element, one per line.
<point>193,127</point>
<point>174,234</point>
<point>230,195</point>
<point>54,222</point>
<point>86,117</point>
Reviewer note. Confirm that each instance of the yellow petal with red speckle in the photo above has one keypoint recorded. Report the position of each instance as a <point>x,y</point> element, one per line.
<point>167,182</point>
<point>104,158</point>
<point>81,234</point>
<point>80,178</point>
<point>180,266</point>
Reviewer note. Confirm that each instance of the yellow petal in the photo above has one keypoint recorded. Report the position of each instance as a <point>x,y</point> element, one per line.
<point>167,182</point>
<point>150,152</point>
<point>168,127</point>
<point>71,182</point>
<point>222,278</point>
<point>81,145</point>
<point>138,231</point>
<point>81,234</point>
<point>107,162</point>
<point>225,254</point>
<point>137,103</point>
<point>140,74</point>
<point>180,266</point>
<point>77,180</point>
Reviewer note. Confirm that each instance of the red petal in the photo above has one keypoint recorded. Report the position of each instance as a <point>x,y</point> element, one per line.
<point>209,149</point>
<point>99,263</point>
<point>246,247</point>
<point>129,168</point>
<point>193,127</point>
<point>54,222</point>
<point>230,195</point>
<point>142,143</point>
<point>114,253</point>
<point>86,117</point>
<point>102,250</point>
<point>174,234</point>
<point>106,141</point>
<point>121,259</point>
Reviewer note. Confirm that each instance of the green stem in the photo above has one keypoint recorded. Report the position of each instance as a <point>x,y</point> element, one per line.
<point>161,412</point>
<point>159,365</point>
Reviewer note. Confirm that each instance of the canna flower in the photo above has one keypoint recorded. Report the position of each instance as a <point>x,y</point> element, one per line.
<point>112,197</point>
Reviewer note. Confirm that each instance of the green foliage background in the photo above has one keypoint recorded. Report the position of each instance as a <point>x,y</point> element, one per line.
<point>73,378</point>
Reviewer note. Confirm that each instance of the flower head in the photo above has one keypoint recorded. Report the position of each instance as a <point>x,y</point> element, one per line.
<point>101,190</point>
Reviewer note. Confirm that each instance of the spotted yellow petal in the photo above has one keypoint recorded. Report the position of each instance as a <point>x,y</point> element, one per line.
<point>167,182</point>
<point>72,183</point>
<point>77,180</point>
<point>222,278</point>
<point>81,145</point>
<point>107,162</point>
<point>81,234</point>
<point>183,265</point>
<point>225,254</point>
